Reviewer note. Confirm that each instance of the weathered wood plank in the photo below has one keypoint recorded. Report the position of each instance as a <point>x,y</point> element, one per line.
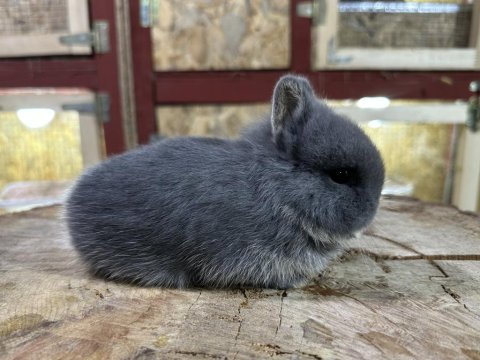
<point>429,229</point>
<point>395,294</point>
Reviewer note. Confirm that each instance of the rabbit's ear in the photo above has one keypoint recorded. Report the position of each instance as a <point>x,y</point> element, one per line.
<point>291,98</point>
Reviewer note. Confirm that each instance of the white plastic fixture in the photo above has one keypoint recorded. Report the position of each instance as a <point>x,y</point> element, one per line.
<point>36,118</point>
<point>376,102</point>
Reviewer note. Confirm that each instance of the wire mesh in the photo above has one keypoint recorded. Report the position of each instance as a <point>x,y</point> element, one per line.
<point>388,24</point>
<point>49,153</point>
<point>22,17</point>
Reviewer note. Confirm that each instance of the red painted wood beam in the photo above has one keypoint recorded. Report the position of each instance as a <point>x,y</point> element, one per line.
<point>144,83</point>
<point>48,72</point>
<point>256,86</point>
<point>300,40</point>
<point>108,76</point>
<point>431,85</point>
<point>214,87</point>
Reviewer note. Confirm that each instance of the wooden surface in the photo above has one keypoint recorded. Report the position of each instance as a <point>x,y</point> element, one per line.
<point>409,288</point>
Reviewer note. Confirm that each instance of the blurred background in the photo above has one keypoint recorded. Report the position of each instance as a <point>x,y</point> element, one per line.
<point>82,80</point>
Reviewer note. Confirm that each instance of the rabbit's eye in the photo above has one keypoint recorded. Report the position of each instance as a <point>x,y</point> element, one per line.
<point>342,176</point>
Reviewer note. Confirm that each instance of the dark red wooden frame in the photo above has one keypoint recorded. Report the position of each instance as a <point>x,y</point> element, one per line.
<point>160,88</point>
<point>98,72</point>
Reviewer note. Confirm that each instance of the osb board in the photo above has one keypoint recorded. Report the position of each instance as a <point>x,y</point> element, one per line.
<point>391,301</point>
<point>208,120</point>
<point>217,34</point>
<point>52,152</point>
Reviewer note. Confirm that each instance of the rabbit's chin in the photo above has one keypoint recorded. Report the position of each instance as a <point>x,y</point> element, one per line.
<point>319,238</point>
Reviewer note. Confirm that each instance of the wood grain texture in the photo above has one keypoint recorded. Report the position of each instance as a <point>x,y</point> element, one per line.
<point>407,289</point>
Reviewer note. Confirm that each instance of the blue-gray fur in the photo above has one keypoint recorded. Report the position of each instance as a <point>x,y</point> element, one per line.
<point>269,209</point>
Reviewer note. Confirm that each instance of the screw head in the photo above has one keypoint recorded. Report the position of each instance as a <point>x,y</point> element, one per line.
<point>475,86</point>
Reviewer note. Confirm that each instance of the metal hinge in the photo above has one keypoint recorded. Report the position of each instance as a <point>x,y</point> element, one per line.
<point>332,55</point>
<point>98,38</point>
<point>100,108</point>
<point>316,10</point>
<point>473,115</point>
<point>148,12</point>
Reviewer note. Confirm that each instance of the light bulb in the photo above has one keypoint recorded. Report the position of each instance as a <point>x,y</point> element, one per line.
<point>36,118</point>
<point>376,102</point>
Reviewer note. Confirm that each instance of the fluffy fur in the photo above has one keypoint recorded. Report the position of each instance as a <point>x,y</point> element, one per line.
<point>269,209</point>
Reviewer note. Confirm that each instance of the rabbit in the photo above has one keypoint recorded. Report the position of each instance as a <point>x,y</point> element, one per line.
<point>269,209</point>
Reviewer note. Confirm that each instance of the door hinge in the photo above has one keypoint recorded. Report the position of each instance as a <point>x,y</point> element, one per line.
<point>473,115</point>
<point>316,10</point>
<point>98,38</point>
<point>100,108</point>
<point>148,13</point>
<point>332,55</point>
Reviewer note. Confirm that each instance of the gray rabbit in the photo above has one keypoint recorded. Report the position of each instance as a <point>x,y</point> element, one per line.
<point>269,209</point>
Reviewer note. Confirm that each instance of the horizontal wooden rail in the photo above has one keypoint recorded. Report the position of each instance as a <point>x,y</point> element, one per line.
<point>256,86</point>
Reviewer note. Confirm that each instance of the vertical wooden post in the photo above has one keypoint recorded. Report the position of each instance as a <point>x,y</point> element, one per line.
<point>323,36</point>
<point>143,73</point>
<point>109,75</point>
<point>122,13</point>
<point>468,174</point>
<point>300,41</point>
<point>475,31</point>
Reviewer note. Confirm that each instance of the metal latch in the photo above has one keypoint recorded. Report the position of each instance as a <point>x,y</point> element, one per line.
<point>98,38</point>
<point>100,108</point>
<point>473,115</point>
<point>316,10</point>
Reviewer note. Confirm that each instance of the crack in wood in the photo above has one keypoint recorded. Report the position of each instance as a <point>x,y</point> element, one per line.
<point>193,304</point>
<point>283,296</point>
<point>314,356</point>
<point>185,317</point>
<point>198,353</point>
<point>243,303</point>
<point>457,298</point>
<point>431,259</point>
<point>275,350</point>
<point>453,294</point>
<point>374,256</point>
<point>409,248</point>
<point>240,319</point>
<point>462,257</point>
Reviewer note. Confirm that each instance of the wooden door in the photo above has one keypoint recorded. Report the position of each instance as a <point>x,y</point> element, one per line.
<point>95,72</point>
<point>413,35</point>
